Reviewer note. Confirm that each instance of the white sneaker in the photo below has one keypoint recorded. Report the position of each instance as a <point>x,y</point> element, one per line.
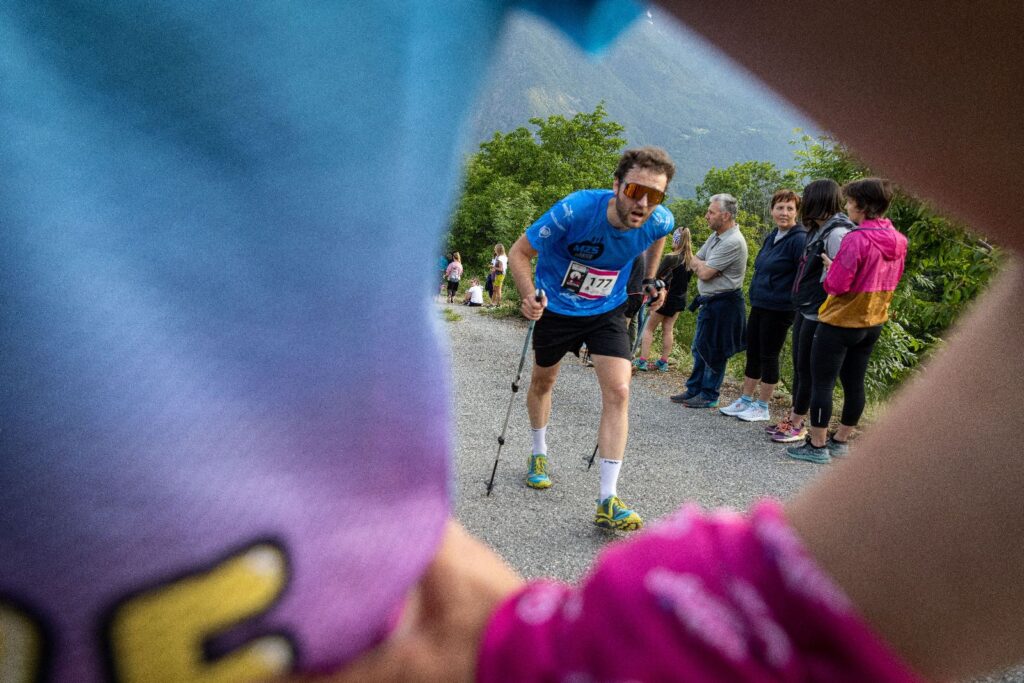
<point>736,407</point>
<point>755,413</point>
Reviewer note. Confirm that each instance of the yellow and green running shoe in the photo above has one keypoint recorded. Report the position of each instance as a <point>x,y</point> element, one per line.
<point>613,514</point>
<point>537,477</point>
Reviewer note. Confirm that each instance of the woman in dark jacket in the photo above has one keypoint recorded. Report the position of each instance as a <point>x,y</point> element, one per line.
<point>826,226</point>
<point>771,307</point>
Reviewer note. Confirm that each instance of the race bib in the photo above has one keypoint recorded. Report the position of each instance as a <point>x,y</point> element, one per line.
<point>589,283</point>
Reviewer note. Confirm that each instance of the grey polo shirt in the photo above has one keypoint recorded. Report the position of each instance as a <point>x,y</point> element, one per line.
<point>726,253</point>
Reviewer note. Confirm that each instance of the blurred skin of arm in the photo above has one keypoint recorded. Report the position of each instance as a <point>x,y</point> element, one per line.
<point>519,264</point>
<point>924,525</point>
<point>439,637</point>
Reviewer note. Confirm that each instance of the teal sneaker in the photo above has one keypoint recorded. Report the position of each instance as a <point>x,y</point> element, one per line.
<point>537,477</point>
<point>613,514</point>
<point>837,448</point>
<point>809,453</point>
<point>641,364</point>
<point>661,365</point>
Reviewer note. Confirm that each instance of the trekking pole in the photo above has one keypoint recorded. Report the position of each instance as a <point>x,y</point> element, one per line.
<point>641,322</point>
<point>515,389</point>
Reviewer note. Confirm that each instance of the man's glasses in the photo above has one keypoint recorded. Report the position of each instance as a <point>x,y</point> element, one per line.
<point>636,191</point>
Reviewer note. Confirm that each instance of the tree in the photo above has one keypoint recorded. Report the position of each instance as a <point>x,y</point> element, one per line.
<point>516,176</point>
<point>752,183</point>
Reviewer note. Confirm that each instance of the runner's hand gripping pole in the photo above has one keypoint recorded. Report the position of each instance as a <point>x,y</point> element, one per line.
<point>539,297</point>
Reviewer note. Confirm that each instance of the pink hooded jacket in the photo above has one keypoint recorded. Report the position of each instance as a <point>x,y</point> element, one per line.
<point>864,275</point>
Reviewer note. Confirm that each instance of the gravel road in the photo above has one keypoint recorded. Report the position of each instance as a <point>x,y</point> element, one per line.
<point>674,454</point>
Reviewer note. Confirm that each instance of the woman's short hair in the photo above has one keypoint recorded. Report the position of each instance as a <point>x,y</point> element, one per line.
<point>871,195</point>
<point>822,199</point>
<point>785,195</point>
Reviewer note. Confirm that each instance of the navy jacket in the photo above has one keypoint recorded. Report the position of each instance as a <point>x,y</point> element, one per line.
<point>721,326</point>
<point>775,270</point>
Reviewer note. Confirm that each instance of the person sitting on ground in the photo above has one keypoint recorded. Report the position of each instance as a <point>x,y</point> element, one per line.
<point>821,213</point>
<point>771,307</point>
<point>475,294</point>
<point>860,283</point>
<point>675,272</point>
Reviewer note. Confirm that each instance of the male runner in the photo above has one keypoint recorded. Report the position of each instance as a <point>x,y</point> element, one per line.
<point>585,246</point>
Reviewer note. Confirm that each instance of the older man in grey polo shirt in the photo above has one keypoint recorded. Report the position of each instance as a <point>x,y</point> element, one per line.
<point>721,323</point>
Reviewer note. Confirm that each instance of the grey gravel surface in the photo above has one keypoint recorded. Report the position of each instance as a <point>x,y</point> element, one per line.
<point>674,454</point>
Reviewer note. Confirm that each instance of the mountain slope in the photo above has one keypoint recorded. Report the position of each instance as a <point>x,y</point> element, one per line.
<point>663,83</point>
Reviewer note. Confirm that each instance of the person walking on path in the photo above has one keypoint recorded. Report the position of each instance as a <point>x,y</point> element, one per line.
<point>585,246</point>
<point>675,271</point>
<point>860,283</point>
<point>453,273</point>
<point>719,265</point>
<point>822,215</point>
<point>771,307</point>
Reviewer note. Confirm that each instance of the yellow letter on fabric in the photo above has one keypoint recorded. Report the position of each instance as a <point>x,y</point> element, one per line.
<point>158,635</point>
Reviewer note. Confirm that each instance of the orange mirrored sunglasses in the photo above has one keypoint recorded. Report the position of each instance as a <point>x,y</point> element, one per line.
<point>636,191</point>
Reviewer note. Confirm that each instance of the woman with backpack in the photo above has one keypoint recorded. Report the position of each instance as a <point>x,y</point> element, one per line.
<point>453,273</point>
<point>821,213</point>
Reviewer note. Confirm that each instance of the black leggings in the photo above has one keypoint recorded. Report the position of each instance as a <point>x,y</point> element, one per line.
<point>803,337</point>
<point>766,333</point>
<point>844,353</point>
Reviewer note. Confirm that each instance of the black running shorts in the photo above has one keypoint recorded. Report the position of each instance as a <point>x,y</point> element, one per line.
<point>604,334</point>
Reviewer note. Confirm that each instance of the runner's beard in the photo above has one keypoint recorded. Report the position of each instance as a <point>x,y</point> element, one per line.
<point>623,215</point>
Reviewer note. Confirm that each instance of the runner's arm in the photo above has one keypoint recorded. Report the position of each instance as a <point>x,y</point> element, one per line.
<point>519,257</point>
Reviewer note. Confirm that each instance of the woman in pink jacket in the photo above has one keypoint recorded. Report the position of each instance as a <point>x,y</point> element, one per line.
<point>860,284</point>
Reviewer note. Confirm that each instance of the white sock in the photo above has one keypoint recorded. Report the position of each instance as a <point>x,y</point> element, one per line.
<point>540,443</point>
<point>609,477</point>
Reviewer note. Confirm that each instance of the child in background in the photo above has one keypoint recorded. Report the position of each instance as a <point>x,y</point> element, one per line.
<point>475,294</point>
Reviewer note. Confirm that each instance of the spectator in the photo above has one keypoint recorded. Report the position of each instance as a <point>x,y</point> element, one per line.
<point>860,283</point>
<point>500,265</point>
<point>475,294</point>
<point>771,307</point>
<point>719,266</point>
<point>675,272</point>
<point>827,225</point>
<point>453,274</point>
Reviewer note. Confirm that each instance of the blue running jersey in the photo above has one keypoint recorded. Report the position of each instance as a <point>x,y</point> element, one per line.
<point>584,261</point>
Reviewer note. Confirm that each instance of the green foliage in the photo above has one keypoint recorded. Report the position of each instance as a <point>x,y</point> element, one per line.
<point>752,183</point>
<point>516,176</point>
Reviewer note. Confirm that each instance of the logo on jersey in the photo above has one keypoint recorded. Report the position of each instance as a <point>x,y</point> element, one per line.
<point>545,232</point>
<point>585,251</point>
